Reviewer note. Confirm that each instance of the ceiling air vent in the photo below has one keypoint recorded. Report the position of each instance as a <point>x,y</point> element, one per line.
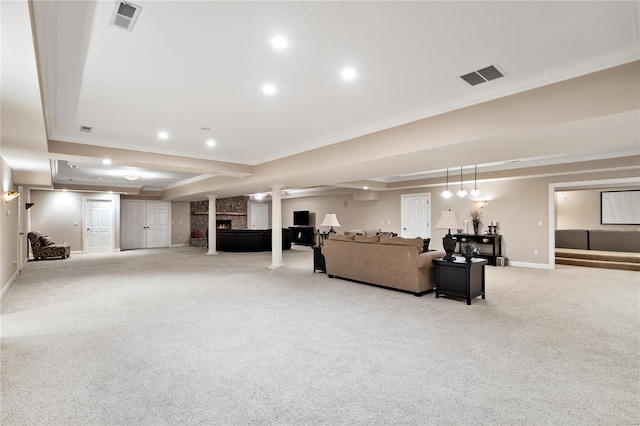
<point>86,129</point>
<point>124,15</point>
<point>485,74</point>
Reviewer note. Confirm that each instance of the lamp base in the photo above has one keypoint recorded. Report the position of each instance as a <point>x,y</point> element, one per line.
<point>449,245</point>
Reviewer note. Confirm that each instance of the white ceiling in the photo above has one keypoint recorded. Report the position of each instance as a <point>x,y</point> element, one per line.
<point>193,65</point>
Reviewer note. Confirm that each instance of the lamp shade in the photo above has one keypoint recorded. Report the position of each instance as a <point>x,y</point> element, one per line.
<point>330,219</point>
<point>448,220</point>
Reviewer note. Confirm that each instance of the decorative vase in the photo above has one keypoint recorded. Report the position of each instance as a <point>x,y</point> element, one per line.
<point>468,257</point>
<point>476,225</point>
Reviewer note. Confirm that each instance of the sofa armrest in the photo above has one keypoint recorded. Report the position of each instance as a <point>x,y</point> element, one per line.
<point>425,260</point>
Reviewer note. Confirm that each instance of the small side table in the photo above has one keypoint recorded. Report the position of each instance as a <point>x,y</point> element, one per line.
<point>318,260</point>
<point>459,278</point>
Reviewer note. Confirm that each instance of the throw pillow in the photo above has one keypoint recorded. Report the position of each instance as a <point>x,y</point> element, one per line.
<point>46,241</point>
<point>425,245</point>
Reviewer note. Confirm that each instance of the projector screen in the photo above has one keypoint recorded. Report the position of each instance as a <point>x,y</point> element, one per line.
<point>620,207</point>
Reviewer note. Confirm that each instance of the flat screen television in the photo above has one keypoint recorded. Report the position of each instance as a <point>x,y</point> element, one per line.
<point>301,218</point>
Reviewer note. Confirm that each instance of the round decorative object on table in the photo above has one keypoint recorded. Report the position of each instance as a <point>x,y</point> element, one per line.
<point>468,257</point>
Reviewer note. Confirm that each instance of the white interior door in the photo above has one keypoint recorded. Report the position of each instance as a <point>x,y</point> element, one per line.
<point>259,216</point>
<point>99,226</point>
<point>158,225</point>
<point>416,215</point>
<point>133,225</point>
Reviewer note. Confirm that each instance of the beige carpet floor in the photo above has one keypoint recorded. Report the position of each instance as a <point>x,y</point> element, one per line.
<point>175,337</point>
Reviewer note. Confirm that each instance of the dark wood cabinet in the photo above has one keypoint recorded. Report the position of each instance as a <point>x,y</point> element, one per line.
<point>460,279</point>
<point>490,246</point>
<point>302,235</point>
<point>318,260</point>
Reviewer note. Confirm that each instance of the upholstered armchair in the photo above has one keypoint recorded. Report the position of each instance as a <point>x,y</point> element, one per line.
<point>43,247</point>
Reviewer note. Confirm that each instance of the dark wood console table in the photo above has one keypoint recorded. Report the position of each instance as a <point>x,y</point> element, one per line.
<point>459,278</point>
<point>302,235</point>
<point>490,246</point>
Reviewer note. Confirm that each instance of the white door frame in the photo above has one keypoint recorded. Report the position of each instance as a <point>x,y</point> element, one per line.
<point>145,242</point>
<point>115,218</point>
<point>403,225</point>
<point>254,207</point>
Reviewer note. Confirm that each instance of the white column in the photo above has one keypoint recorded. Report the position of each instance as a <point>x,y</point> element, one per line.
<point>212,225</point>
<point>276,227</point>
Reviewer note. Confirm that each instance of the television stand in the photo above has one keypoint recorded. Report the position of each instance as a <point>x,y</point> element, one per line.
<point>302,235</point>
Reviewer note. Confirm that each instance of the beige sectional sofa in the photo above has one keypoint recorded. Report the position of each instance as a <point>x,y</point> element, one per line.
<point>396,263</point>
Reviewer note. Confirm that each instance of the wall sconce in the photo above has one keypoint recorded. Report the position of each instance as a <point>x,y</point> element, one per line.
<point>480,204</point>
<point>10,195</point>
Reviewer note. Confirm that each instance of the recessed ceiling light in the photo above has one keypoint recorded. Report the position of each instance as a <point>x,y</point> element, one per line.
<point>64,190</point>
<point>106,161</point>
<point>279,42</point>
<point>269,89</point>
<point>163,135</point>
<point>72,166</point>
<point>131,177</point>
<point>211,143</point>
<point>348,74</point>
<point>366,187</point>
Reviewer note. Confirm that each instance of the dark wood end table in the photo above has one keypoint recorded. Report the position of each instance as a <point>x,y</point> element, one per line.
<point>318,260</point>
<point>459,278</point>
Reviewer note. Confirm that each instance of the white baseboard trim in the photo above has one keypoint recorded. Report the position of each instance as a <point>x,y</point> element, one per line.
<point>8,284</point>
<point>180,245</point>
<point>531,265</point>
<point>77,252</point>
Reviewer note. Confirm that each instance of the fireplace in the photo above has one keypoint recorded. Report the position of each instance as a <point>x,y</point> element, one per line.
<point>223,224</point>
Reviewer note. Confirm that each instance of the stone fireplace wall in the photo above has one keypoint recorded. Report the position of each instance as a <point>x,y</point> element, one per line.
<point>235,208</point>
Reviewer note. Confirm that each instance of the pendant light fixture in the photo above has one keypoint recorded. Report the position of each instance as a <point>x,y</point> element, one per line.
<point>447,193</point>
<point>475,191</point>
<point>462,193</point>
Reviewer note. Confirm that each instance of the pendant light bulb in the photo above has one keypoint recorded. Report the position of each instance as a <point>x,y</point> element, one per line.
<point>447,193</point>
<point>462,193</point>
<point>475,191</point>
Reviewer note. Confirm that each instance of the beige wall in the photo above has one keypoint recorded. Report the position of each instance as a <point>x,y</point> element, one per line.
<point>59,215</point>
<point>580,209</point>
<point>180,217</point>
<point>8,229</point>
<point>520,206</point>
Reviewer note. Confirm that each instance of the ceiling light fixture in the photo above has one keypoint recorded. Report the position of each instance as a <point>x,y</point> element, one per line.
<point>475,191</point>
<point>447,193</point>
<point>106,161</point>
<point>269,89</point>
<point>163,135</point>
<point>348,74</point>
<point>279,42</point>
<point>211,143</point>
<point>462,193</point>
<point>131,177</point>
<point>72,166</point>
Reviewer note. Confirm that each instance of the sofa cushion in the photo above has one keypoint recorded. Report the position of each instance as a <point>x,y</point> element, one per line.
<point>425,244</point>
<point>340,237</point>
<point>399,241</point>
<point>572,238</point>
<point>366,239</point>
<point>385,234</point>
<point>46,241</point>
<point>609,240</point>
<point>354,232</point>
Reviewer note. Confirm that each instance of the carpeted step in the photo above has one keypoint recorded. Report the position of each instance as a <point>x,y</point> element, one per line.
<point>627,266</point>
<point>605,256</point>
